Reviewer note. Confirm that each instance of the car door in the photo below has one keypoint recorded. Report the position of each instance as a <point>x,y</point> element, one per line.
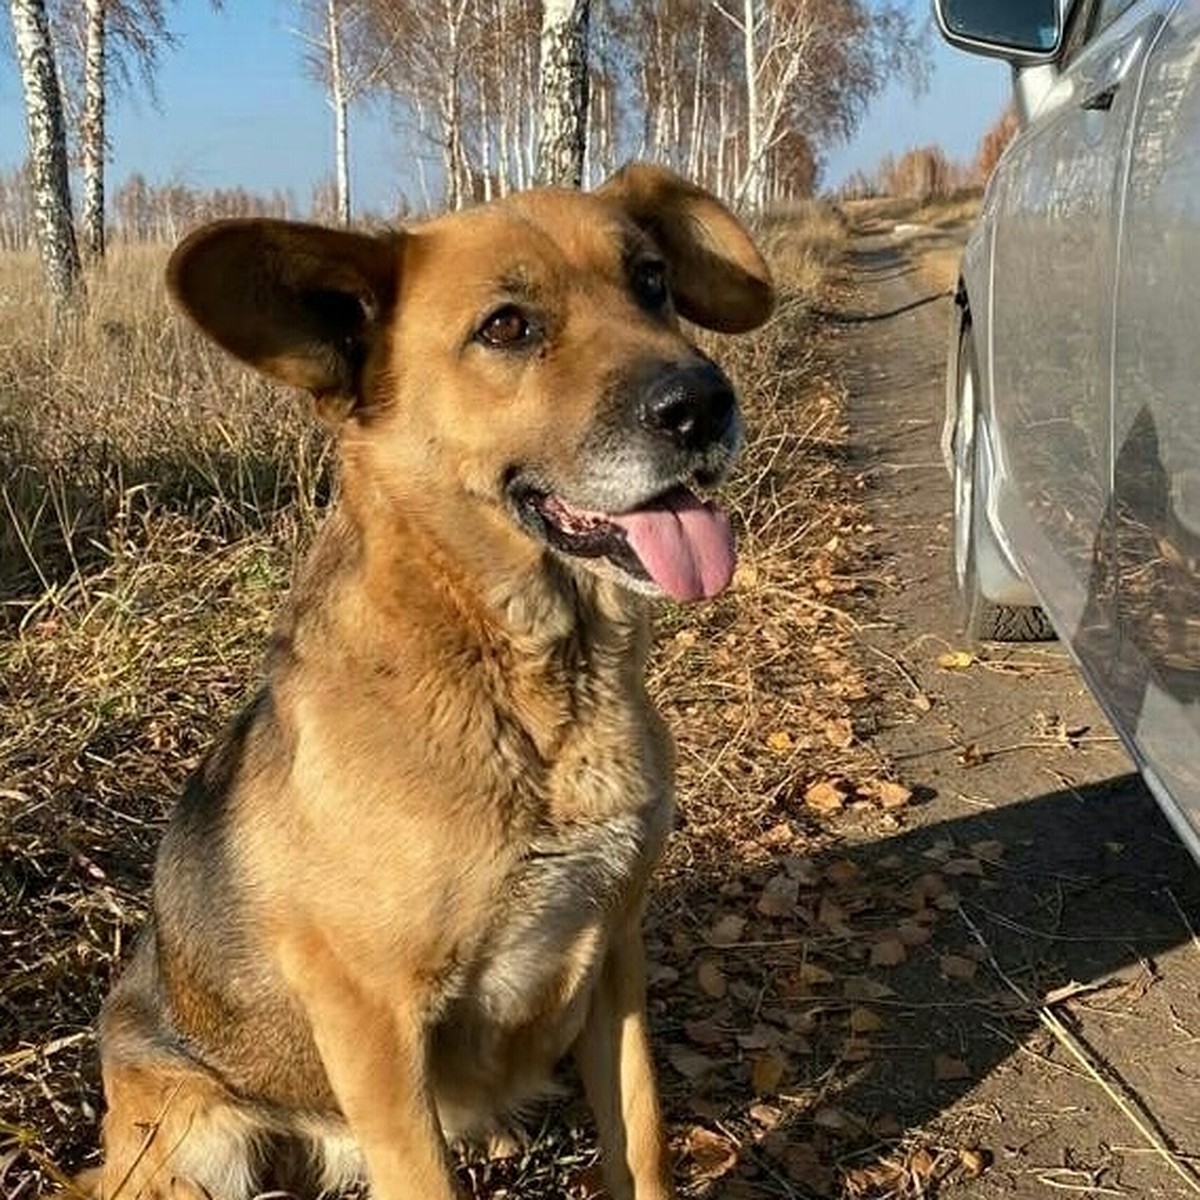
<point>1054,267</point>
<point>1155,507</point>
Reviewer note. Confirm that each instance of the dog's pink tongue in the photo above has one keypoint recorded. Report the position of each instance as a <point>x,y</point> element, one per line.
<point>685,546</point>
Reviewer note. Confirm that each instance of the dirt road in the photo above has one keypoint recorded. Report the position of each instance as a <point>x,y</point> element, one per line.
<point>1069,880</point>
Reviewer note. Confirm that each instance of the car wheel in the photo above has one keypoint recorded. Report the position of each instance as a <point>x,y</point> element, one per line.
<point>982,619</point>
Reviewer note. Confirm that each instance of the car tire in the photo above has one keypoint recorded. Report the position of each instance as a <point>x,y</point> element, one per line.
<point>982,619</point>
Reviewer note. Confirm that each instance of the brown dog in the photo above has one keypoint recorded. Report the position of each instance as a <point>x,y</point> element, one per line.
<point>410,877</point>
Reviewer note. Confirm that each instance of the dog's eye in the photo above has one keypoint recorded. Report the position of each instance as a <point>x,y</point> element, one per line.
<point>506,328</point>
<point>650,284</point>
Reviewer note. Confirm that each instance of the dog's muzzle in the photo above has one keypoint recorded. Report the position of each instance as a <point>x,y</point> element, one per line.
<point>669,426</point>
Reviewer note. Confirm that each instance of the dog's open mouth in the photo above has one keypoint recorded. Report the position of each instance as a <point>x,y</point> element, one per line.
<point>678,541</point>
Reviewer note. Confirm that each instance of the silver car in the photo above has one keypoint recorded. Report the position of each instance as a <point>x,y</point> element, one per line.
<point>1073,402</point>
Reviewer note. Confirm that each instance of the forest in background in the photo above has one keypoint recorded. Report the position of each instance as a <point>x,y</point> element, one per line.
<point>746,97</point>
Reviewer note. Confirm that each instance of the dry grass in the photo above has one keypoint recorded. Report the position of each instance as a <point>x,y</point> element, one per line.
<point>155,499</point>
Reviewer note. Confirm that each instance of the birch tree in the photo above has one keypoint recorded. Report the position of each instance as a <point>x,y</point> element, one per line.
<point>809,67</point>
<point>47,151</point>
<point>103,45</point>
<point>91,133</point>
<point>779,50</point>
<point>342,54</point>
<point>563,93</point>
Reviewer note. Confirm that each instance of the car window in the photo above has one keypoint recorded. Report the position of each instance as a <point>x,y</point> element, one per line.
<point>1080,22</point>
<point>1107,11</point>
<point>1086,19</point>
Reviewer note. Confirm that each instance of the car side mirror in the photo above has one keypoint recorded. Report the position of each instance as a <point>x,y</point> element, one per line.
<point>1024,32</point>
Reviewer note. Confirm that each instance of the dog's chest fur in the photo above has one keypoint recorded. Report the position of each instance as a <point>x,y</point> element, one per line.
<point>588,761</point>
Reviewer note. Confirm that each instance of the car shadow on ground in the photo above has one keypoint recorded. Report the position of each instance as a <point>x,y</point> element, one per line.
<point>880,995</point>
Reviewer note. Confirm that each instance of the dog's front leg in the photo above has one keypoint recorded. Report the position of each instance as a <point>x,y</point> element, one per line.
<point>375,1053</point>
<point>613,1054</point>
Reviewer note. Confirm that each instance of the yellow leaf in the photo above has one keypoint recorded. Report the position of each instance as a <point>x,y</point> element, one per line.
<point>865,1020</point>
<point>812,975</point>
<point>766,1074</point>
<point>893,795</point>
<point>780,741</point>
<point>955,660</point>
<point>839,733</point>
<point>824,796</point>
<point>973,1162</point>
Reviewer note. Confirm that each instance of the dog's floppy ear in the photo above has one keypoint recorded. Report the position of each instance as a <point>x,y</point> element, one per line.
<point>718,278</point>
<point>298,302</point>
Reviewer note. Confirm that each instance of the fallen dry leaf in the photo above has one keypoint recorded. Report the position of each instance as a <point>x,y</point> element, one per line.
<point>921,1163</point>
<point>865,1020</point>
<point>913,933</point>
<point>956,966</point>
<point>946,1068</point>
<point>779,896</point>
<point>704,1032</point>
<point>887,793</point>
<point>765,1115</point>
<point>971,756</point>
<point>803,870</point>
<point>824,797</point>
<point>893,795</point>
<point>691,1064</point>
<point>727,930</point>
<point>864,988</point>
<point>988,849</point>
<point>711,979</point>
<point>973,1162</point>
<point>710,1154</point>
<point>811,974</point>
<point>955,660</point>
<point>890,952</point>
<point>780,741</point>
<point>766,1074</point>
<point>839,733</point>
<point>964,866</point>
<point>842,872</point>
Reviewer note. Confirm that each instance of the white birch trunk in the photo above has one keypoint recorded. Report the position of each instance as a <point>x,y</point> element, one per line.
<point>563,89</point>
<point>699,100</point>
<point>338,101</point>
<point>92,132</point>
<point>47,151</point>
<point>751,191</point>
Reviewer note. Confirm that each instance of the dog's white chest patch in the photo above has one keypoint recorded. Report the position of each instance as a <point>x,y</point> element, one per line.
<point>553,936</point>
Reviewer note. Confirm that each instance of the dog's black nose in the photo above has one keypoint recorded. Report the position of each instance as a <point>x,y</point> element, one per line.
<point>693,406</point>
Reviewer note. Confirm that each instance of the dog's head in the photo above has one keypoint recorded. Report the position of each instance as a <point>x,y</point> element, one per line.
<point>525,356</point>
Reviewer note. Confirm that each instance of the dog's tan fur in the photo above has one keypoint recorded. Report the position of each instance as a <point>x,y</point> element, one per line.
<point>410,878</point>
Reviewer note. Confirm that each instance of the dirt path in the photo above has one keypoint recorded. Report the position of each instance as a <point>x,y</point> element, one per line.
<point>1081,880</point>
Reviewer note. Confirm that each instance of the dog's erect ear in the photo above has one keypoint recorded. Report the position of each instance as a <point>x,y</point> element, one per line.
<point>298,302</point>
<point>718,278</point>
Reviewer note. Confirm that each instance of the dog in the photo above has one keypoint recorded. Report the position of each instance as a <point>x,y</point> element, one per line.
<point>410,877</point>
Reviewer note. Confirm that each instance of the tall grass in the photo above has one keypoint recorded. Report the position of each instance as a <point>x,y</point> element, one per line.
<point>127,424</point>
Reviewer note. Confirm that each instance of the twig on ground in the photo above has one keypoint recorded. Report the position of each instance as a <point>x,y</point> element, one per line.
<point>1114,1089</point>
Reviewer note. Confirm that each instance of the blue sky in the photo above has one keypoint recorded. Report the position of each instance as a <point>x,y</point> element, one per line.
<point>235,107</point>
